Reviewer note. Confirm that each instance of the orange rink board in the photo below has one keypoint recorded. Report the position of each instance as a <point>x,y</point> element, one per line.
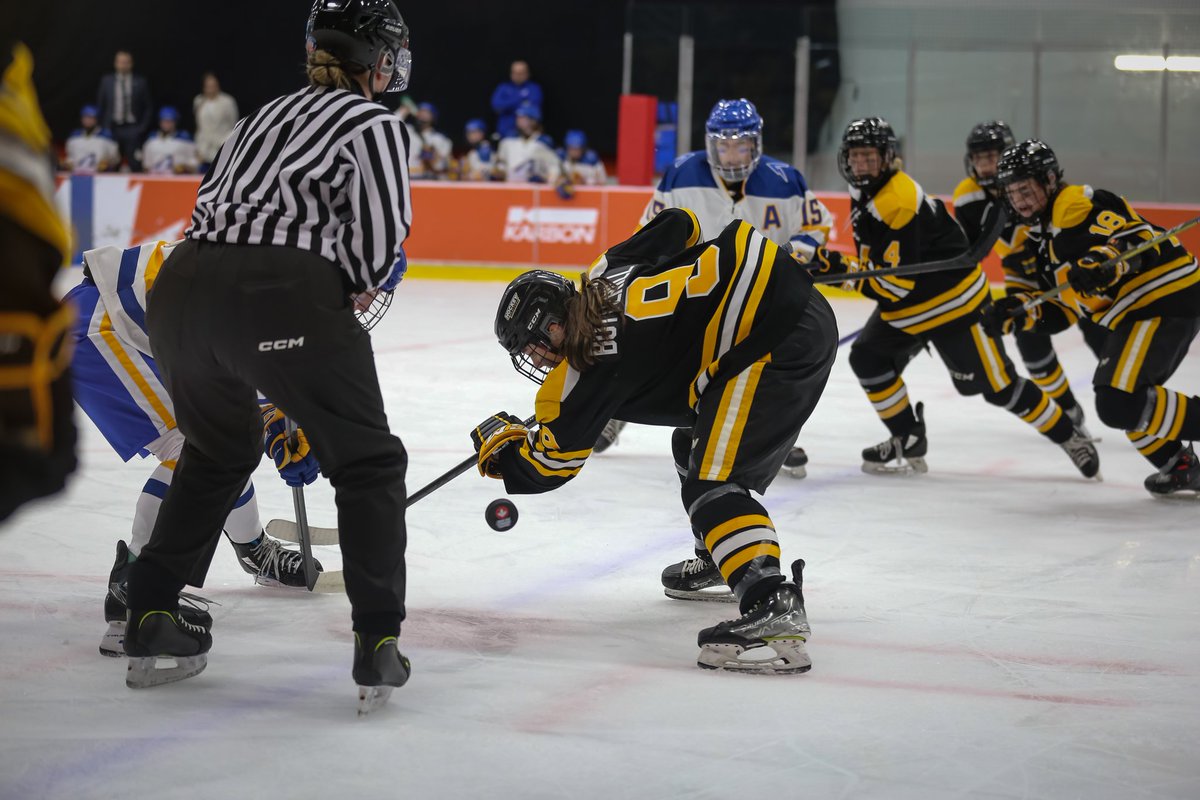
<point>474,231</point>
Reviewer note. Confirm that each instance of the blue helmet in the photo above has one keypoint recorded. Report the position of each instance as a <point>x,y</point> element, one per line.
<point>89,111</point>
<point>575,139</point>
<point>475,125</point>
<point>733,121</point>
<point>168,112</point>
<point>430,107</point>
<point>531,110</point>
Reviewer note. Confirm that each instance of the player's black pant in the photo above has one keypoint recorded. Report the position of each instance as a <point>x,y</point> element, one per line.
<point>224,321</point>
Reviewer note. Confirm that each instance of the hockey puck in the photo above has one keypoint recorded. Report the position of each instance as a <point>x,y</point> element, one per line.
<point>501,514</point>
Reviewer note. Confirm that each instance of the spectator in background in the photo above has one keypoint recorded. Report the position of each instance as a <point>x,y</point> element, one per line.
<point>91,148</point>
<point>581,165</point>
<point>476,164</point>
<point>215,113</point>
<point>528,155</point>
<point>429,158</point>
<point>406,110</point>
<point>125,107</point>
<point>510,95</point>
<point>169,151</point>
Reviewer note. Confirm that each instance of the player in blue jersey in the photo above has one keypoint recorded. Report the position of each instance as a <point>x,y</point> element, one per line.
<point>117,385</point>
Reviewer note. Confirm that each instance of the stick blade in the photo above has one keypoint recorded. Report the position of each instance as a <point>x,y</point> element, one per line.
<point>287,531</point>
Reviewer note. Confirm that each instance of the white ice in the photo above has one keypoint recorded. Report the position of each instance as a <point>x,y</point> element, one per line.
<point>998,628</point>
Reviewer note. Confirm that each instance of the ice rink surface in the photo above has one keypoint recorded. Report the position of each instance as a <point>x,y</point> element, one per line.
<point>998,628</point>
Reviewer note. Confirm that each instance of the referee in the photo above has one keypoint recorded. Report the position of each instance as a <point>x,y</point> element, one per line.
<point>307,203</point>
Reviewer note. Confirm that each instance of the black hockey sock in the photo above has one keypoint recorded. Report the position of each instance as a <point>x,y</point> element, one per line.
<point>1157,451</point>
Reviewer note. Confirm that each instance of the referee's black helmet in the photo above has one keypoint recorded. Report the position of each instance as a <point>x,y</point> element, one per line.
<point>359,32</point>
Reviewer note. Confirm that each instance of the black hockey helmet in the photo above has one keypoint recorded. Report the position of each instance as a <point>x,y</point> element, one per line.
<point>358,32</point>
<point>986,137</point>
<point>1034,159</point>
<point>527,307</point>
<point>874,132</point>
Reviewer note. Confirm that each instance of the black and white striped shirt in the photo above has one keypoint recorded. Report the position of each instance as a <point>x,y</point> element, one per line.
<point>323,170</point>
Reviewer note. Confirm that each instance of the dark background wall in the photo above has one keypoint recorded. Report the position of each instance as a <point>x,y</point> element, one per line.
<point>461,50</point>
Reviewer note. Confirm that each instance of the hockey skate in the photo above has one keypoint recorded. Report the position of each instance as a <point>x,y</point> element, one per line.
<point>899,455</point>
<point>272,564</point>
<point>608,436</point>
<point>196,612</point>
<point>696,579</point>
<point>1075,414</point>
<point>795,463</point>
<point>1181,474</point>
<point>378,668</point>
<point>767,639</point>
<point>1083,454</point>
<point>163,634</point>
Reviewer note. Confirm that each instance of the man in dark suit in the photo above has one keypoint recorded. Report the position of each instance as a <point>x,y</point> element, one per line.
<point>125,107</point>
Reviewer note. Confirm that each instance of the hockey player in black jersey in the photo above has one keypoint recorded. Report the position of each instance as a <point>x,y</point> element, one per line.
<point>896,223</point>
<point>1150,306</point>
<point>977,202</point>
<point>724,340</point>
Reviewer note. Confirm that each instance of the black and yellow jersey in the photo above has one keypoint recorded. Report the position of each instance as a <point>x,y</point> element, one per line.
<point>695,314</point>
<point>901,225</point>
<point>975,208</point>
<point>1166,282</point>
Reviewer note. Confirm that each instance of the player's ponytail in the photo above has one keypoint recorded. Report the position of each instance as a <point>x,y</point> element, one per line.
<point>595,306</point>
<point>324,69</point>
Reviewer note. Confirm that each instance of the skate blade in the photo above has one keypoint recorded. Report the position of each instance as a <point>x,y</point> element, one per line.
<point>143,673</point>
<point>327,582</point>
<point>912,466</point>
<point>113,643</point>
<point>1178,496</point>
<point>372,698</point>
<point>772,657</point>
<point>715,594</point>
<point>795,472</point>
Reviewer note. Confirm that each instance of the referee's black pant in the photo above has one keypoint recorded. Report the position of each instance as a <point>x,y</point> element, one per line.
<point>225,321</point>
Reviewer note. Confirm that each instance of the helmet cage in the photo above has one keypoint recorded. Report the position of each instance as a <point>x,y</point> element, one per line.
<point>869,132</point>
<point>734,121</point>
<point>1033,159</point>
<point>529,305</point>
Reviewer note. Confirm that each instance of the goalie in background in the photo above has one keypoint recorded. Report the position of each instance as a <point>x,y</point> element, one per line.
<point>1150,306</point>
<point>663,339</point>
<point>117,384</point>
<point>896,224</point>
<point>37,432</point>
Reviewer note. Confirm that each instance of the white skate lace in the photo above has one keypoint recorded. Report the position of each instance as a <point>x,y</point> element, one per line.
<point>1079,449</point>
<point>694,566</point>
<point>273,560</point>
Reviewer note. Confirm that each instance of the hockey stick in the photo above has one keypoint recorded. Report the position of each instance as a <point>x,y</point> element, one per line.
<point>1132,252</point>
<point>290,531</point>
<point>969,258</point>
<point>310,569</point>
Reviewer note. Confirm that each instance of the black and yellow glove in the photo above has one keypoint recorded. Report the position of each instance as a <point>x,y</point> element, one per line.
<point>1009,315</point>
<point>491,436</point>
<point>1021,261</point>
<point>831,262</point>
<point>1093,273</point>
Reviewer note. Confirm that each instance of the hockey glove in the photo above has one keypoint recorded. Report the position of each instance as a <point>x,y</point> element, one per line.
<point>831,262</point>
<point>397,274</point>
<point>491,436</point>
<point>1092,274</point>
<point>1009,315</point>
<point>1020,262</point>
<point>565,188</point>
<point>294,459</point>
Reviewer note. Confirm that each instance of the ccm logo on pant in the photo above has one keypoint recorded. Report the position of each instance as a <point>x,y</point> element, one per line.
<point>280,344</point>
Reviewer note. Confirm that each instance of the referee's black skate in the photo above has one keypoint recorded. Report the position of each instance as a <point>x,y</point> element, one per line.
<point>195,610</point>
<point>795,463</point>
<point>900,455</point>
<point>1181,474</point>
<point>163,634</point>
<point>767,639</point>
<point>608,436</point>
<point>271,563</point>
<point>696,579</point>
<point>379,667</point>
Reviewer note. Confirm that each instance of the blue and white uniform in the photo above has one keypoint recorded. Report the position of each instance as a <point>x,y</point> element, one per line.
<point>169,153</point>
<point>116,382</point>
<point>775,199</point>
<point>92,150</point>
